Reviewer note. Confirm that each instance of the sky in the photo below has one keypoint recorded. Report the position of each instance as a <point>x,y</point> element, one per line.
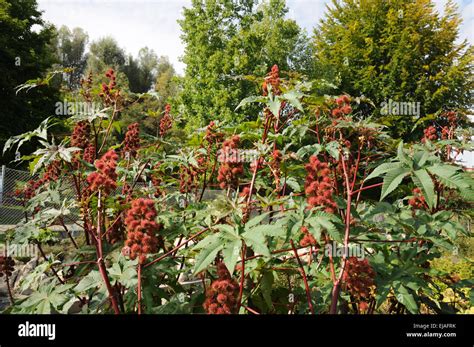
<point>139,23</point>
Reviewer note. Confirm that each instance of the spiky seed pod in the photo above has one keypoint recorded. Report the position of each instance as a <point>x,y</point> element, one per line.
<point>141,229</point>
<point>430,133</point>
<point>105,178</point>
<point>230,168</point>
<point>132,140</point>
<point>308,239</point>
<point>319,185</point>
<point>358,278</point>
<point>166,122</point>
<point>417,202</point>
<point>221,296</point>
<point>272,79</point>
<point>80,134</point>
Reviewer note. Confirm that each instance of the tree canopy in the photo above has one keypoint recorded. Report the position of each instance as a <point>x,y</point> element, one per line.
<point>400,50</point>
<point>225,42</point>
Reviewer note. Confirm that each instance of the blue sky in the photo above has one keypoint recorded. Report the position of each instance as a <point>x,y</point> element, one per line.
<point>152,23</point>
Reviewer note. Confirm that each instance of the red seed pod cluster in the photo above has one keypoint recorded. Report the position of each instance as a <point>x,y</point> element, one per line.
<point>52,173</point>
<point>358,277</point>
<point>430,133</point>
<point>245,191</point>
<point>343,106</point>
<point>141,229</point>
<point>308,239</point>
<point>451,117</point>
<point>132,140</point>
<point>221,296</point>
<point>318,185</point>
<point>105,178</point>
<point>272,79</point>
<point>156,179</point>
<point>165,122</point>
<point>231,168</point>
<point>89,153</point>
<point>445,133</point>
<point>30,188</point>
<point>275,165</point>
<point>187,179</point>
<point>108,92</point>
<point>6,266</point>
<point>86,86</point>
<point>212,135</point>
<point>418,200</point>
<point>80,134</point>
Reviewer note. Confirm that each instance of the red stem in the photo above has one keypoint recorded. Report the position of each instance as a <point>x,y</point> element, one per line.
<point>305,280</point>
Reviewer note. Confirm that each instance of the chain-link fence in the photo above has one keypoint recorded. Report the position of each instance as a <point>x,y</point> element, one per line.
<point>12,209</point>
<point>11,206</point>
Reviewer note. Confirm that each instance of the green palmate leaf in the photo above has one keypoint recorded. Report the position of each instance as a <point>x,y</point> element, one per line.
<point>267,287</point>
<point>293,97</point>
<point>407,299</point>
<point>274,106</point>
<point>423,180</point>
<point>381,169</point>
<point>392,180</point>
<point>293,184</point>
<point>207,256</point>
<point>231,253</point>
<point>228,230</point>
<point>256,220</point>
<point>324,221</point>
<point>313,149</point>
<point>256,239</point>
<point>250,100</point>
<point>48,298</point>
<point>449,176</point>
<point>92,280</point>
<point>333,149</point>
<point>401,154</point>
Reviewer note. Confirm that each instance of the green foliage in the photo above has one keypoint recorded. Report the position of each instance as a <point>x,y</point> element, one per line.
<point>26,54</point>
<point>396,50</point>
<point>225,42</point>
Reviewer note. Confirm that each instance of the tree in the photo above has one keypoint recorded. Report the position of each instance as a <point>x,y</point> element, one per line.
<point>148,62</point>
<point>25,54</point>
<point>165,84</point>
<point>148,110</point>
<point>400,50</point>
<point>105,53</point>
<point>71,46</point>
<point>225,41</point>
<point>141,72</point>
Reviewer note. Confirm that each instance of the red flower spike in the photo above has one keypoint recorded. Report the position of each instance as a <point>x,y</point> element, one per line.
<point>318,185</point>
<point>105,177</point>
<point>141,229</point>
<point>221,296</point>
<point>132,140</point>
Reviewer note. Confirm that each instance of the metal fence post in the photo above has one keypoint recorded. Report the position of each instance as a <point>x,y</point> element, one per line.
<point>2,180</point>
